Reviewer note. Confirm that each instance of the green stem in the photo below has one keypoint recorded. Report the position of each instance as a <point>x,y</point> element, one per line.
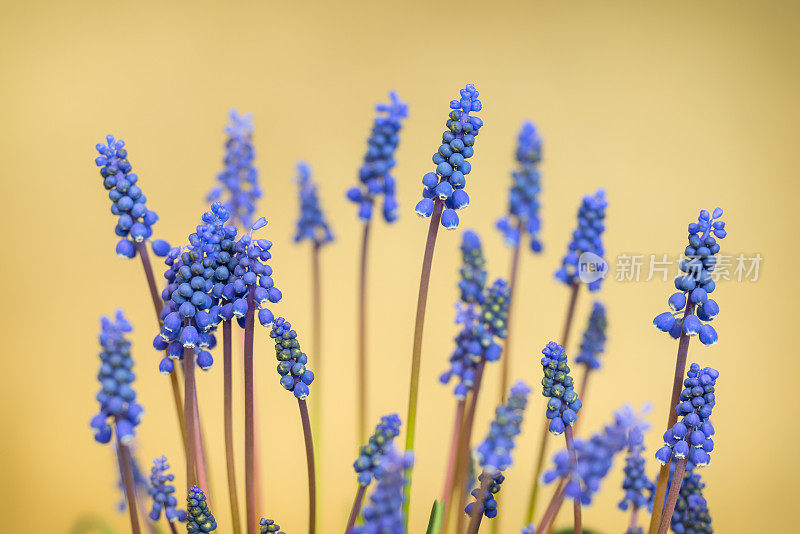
<point>227,372</point>
<point>312,480</point>
<point>416,356</point>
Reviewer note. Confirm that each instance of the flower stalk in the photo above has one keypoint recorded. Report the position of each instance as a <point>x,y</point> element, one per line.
<point>227,370</point>
<point>362,337</point>
<point>249,407</point>
<point>312,480</point>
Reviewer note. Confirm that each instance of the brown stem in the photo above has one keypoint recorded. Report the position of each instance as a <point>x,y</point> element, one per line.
<point>465,456</point>
<point>476,514</point>
<point>127,479</point>
<point>172,528</point>
<point>582,393</point>
<point>188,415</point>
<point>453,456</point>
<point>203,479</point>
<point>677,386</point>
<point>634,519</point>
<point>416,356</point>
<point>672,497</point>
<point>227,371</point>
<point>509,322</point>
<point>552,508</point>
<point>577,527</point>
<point>178,401</point>
<point>249,432</point>
<point>356,509</point>
<point>362,338</point>
<point>312,480</point>
<point>573,299</point>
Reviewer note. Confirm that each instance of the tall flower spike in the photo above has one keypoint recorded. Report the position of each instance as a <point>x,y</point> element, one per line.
<point>200,518</point>
<point>371,454</point>
<point>116,396</point>
<point>447,183</point>
<point>291,360</point>
<point>691,436</point>
<point>587,238</point>
<point>162,491</point>
<point>639,488</point>
<point>312,224</point>
<point>691,511</point>
<point>594,337</point>
<point>697,283</point>
<point>268,525</point>
<point>374,173</point>
<point>564,404</point>
<point>523,197</point>
<point>238,182</point>
<point>384,514</point>
<point>135,222</point>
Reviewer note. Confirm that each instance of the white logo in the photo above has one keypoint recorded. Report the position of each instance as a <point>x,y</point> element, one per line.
<point>591,267</point>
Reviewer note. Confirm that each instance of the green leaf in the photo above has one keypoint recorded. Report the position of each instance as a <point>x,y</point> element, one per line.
<point>437,516</point>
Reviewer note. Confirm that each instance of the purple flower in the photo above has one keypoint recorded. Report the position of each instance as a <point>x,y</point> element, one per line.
<point>312,224</point>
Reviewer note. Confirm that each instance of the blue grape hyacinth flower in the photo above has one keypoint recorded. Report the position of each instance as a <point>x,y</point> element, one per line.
<point>639,488</point>
<point>594,337</point>
<point>374,173</point>
<point>291,360</point>
<point>473,269</point>
<point>135,221</point>
<point>238,182</point>
<point>528,529</point>
<point>371,455</point>
<point>587,238</point>
<point>563,404</point>
<point>268,526</point>
<point>690,437</point>
<point>447,183</point>
<point>691,514</point>
<point>523,197</point>
<point>311,225</point>
<point>162,491</point>
<point>384,513</point>
<point>117,398</point>
<point>199,517</point>
<point>692,309</point>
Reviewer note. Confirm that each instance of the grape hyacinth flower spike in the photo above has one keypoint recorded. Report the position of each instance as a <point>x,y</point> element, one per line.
<point>269,526</point>
<point>593,344</point>
<point>369,459</point>
<point>442,189</point>
<point>162,491</point>
<point>199,517</point>
<point>119,412</point>
<point>295,377</point>
<point>238,186</point>
<point>494,455</point>
<point>384,514</point>
<point>692,310</point>
<point>522,219</point>
<point>587,239</point>
<point>638,486</point>
<point>375,180</point>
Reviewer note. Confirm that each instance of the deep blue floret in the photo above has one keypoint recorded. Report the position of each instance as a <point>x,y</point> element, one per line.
<point>199,517</point>
<point>268,526</point>
<point>691,514</point>
<point>384,513</point>
<point>447,183</point>
<point>692,309</point>
<point>162,491</point>
<point>135,222</point>
<point>586,238</point>
<point>374,173</point>
<point>558,385</point>
<point>639,488</point>
<point>291,360</point>
<point>371,455</point>
<point>523,198</point>
<point>238,181</point>
<point>690,437</point>
<point>117,398</point>
<point>312,224</point>
<point>594,337</point>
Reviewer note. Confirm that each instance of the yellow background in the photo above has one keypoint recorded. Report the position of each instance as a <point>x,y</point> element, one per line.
<point>671,107</point>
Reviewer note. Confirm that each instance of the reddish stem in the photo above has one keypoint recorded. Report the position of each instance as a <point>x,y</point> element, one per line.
<point>249,432</point>
<point>452,458</point>
<point>362,337</point>
<point>312,480</point>
<point>126,466</point>
<point>509,322</point>
<point>356,509</point>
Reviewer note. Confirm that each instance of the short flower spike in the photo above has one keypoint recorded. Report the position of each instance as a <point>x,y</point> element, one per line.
<point>291,360</point>
<point>199,517</point>
<point>384,513</point>
<point>311,225</point>
<point>371,455</point>
<point>586,238</point>
<point>558,385</point>
<point>162,491</point>
<point>594,337</point>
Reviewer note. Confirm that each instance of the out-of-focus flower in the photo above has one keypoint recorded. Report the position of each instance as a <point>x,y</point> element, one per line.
<point>371,454</point>
<point>587,238</point>
<point>312,224</point>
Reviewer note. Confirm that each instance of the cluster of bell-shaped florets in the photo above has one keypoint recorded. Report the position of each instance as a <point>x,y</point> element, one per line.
<point>311,225</point>
<point>374,173</point>
<point>117,397</point>
<point>692,309</point>
<point>494,311</point>
<point>523,197</point>
<point>291,360</point>
<point>238,182</point>
<point>587,238</point>
<point>268,526</point>
<point>595,456</point>
<point>494,452</point>
<point>473,269</point>
<point>690,437</point>
<point>384,513</point>
<point>371,454</point>
<point>691,514</point>
<point>135,222</point>
<point>162,491</point>
<point>593,343</point>
<point>447,183</point>
<point>489,503</point>
<point>564,404</point>
<point>199,517</point>
<point>639,488</point>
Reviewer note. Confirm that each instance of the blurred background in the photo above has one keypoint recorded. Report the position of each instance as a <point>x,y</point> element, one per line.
<point>670,108</point>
